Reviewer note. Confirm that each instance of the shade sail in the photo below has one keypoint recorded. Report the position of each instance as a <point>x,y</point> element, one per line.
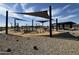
<point>43,14</point>
<point>19,19</point>
<point>43,21</point>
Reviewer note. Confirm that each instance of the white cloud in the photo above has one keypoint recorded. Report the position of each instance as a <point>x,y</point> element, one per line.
<point>56,17</point>
<point>73,11</point>
<point>14,7</point>
<point>59,10</point>
<point>4,8</point>
<point>31,9</point>
<point>68,17</point>
<point>64,18</point>
<point>65,7</point>
<point>55,11</point>
<point>3,11</point>
<point>44,9</point>
<point>23,6</point>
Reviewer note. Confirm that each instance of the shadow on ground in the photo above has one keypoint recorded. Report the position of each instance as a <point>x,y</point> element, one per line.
<point>65,35</point>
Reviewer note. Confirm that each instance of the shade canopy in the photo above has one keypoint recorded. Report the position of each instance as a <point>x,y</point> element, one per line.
<point>43,21</point>
<point>43,14</point>
<point>19,19</point>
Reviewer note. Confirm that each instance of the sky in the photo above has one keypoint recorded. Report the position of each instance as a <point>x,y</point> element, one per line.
<point>63,11</point>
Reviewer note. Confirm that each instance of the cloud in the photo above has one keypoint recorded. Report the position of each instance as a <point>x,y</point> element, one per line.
<point>68,17</point>
<point>65,7</point>
<point>3,11</point>
<point>56,17</point>
<point>55,11</point>
<point>4,8</point>
<point>3,5</point>
<point>59,10</point>
<point>23,6</point>
<point>31,9</point>
<point>73,11</point>
<point>14,7</point>
<point>44,9</point>
<point>64,18</point>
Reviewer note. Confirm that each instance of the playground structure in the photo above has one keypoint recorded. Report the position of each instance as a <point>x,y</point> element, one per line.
<point>42,14</point>
<point>38,28</point>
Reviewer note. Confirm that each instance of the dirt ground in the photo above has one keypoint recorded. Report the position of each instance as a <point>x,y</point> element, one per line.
<point>62,43</point>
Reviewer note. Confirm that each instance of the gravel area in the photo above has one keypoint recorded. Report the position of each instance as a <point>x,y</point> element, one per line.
<point>38,45</point>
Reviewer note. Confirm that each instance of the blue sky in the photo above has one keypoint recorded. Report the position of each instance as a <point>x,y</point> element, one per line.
<point>64,12</point>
